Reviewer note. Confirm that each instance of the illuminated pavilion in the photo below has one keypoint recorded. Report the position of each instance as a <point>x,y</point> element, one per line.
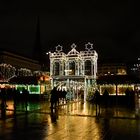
<point>74,71</point>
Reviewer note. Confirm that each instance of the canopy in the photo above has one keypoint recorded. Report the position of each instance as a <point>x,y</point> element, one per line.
<point>26,80</point>
<point>118,79</point>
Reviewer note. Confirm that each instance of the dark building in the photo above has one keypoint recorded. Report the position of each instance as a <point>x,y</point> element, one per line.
<point>19,61</point>
<point>111,67</point>
<point>134,68</point>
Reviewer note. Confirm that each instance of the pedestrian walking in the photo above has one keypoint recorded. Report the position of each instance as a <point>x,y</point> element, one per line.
<point>106,98</point>
<point>25,94</point>
<point>97,102</point>
<point>54,98</point>
<point>3,104</point>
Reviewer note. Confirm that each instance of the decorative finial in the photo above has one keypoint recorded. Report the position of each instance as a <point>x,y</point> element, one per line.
<point>89,46</point>
<point>58,48</point>
<point>73,46</point>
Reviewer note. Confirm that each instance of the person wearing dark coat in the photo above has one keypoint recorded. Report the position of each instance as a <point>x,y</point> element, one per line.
<point>97,101</point>
<point>54,98</point>
<point>106,98</point>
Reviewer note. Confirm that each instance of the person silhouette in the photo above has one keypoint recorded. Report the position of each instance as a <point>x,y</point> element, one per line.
<point>53,98</point>
<point>97,101</point>
<point>106,97</point>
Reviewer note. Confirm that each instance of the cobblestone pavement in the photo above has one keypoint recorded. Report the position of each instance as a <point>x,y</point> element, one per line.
<point>71,121</point>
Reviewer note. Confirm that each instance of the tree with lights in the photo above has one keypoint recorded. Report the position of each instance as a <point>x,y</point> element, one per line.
<point>7,71</point>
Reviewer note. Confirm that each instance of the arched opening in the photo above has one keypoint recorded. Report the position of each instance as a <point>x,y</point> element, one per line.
<point>71,68</point>
<point>88,67</point>
<point>56,68</point>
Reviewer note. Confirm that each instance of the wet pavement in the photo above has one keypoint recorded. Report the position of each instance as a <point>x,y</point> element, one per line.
<point>71,121</point>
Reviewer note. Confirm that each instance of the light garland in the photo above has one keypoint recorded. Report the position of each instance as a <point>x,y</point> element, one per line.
<point>24,72</point>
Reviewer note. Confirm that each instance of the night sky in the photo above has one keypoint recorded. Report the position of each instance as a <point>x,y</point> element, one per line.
<point>112,26</point>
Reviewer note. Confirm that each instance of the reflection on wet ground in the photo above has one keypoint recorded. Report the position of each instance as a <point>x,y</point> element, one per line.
<point>69,121</point>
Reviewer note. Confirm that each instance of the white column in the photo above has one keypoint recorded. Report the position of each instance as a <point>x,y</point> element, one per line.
<point>51,68</point>
<point>83,67</point>
<point>66,67</point>
<point>52,84</point>
<point>85,89</point>
<point>94,69</point>
<point>80,68</point>
<point>62,67</point>
<point>77,63</point>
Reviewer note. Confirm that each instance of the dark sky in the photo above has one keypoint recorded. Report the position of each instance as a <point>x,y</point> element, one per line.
<point>113,26</point>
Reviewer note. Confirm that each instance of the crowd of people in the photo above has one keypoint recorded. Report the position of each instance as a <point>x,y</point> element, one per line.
<point>14,94</point>
<point>57,97</point>
<point>60,96</point>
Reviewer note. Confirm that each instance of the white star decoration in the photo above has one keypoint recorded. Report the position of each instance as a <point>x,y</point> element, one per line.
<point>89,46</point>
<point>58,48</point>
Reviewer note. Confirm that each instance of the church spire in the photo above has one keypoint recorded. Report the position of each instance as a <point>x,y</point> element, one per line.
<point>37,47</point>
<point>38,53</point>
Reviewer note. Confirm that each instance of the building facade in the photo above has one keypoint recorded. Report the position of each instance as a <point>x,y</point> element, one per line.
<point>15,65</point>
<point>19,61</point>
<point>134,68</point>
<point>112,69</point>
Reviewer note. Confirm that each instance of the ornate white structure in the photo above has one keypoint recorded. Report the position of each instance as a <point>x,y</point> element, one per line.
<point>75,70</point>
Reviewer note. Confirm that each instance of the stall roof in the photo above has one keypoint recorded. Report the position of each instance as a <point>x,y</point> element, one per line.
<point>3,82</point>
<point>118,79</point>
<point>30,80</point>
